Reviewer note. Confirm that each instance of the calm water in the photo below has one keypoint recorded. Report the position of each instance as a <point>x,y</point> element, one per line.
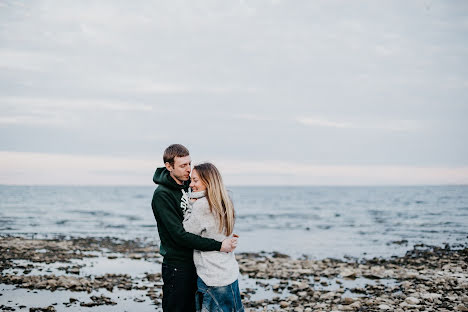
<point>316,221</point>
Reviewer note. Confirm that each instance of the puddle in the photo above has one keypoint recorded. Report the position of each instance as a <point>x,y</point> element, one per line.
<point>333,284</point>
<point>134,300</point>
<point>103,265</point>
<point>88,266</point>
<point>263,288</point>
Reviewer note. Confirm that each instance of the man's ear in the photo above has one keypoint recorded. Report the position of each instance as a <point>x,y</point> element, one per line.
<point>168,166</point>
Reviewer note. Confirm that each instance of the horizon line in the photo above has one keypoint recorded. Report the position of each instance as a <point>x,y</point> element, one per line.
<point>243,185</point>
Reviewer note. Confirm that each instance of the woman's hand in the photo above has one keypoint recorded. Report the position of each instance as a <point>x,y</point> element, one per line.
<point>229,244</point>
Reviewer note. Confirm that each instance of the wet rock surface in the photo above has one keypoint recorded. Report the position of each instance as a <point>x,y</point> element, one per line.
<point>425,279</point>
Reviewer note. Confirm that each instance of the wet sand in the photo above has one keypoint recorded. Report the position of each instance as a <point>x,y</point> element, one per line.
<point>90,274</point>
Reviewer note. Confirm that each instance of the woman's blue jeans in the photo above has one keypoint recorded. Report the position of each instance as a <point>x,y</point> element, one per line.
<point>218,299</point>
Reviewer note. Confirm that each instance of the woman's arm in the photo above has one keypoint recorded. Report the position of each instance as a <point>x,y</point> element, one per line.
<point>193,222</point>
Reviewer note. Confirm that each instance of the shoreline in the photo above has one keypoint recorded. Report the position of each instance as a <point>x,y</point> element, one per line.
<point>109,274</point>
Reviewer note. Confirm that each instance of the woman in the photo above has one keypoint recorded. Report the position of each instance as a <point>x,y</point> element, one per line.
<point>212,216</point>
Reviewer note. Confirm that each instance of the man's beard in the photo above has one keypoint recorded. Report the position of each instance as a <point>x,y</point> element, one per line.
<point>180,178</point>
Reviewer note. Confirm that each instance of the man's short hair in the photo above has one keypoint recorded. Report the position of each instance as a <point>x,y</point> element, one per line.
<point>173,151</point>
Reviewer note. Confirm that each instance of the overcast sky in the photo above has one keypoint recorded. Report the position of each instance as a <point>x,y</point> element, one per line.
<point>273,92</point>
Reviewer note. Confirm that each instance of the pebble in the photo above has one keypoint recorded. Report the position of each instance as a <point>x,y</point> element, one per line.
<point>412,300</point>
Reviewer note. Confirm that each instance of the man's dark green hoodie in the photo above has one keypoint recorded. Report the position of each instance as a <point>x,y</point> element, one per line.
<point>170,201</point>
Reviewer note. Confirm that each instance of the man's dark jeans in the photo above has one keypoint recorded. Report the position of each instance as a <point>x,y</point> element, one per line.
<point>180,286</point>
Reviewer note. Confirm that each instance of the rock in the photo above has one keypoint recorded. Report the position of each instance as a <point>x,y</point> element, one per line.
<point>412,300</point>
<point>327,296</point>
<point>461,307</point>
<point>425,280</point>
<point>430,296</point>
<point>47,309</point>
<point>293,298</point>
<point>300,286</point>
<point>347,273</point>
<point>135,256</point>
<point>384,307</point>
<point>74,270</point>
<point>303,294</point>
<point>411,274</point>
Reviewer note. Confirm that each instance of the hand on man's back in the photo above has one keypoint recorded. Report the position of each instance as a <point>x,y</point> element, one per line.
<point>229,244</point>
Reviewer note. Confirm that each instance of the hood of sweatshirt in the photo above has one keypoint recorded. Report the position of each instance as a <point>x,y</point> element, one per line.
<point>163,177</point>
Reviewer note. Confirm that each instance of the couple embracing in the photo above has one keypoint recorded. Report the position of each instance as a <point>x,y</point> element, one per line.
<point>195,219</point>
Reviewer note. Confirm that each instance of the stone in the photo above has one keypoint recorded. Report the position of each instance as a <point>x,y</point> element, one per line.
<point>384,307</point>
<point>327,296</point>
<point>303,294</point>
<point>430,296</point>
<point>347,273</point>
<point>293,298</point>
<point>412,300</point>
<point>461,307</point>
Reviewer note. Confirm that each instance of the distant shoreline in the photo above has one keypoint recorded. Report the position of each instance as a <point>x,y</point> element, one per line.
<point>248,185</point>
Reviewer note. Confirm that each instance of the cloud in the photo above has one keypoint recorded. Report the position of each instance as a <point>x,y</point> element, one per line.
<point>254,117</point>
<point>323,123</point>
<point>43,169</point>
<point>292,173</point>
<point>258,77</point>
<point>162,88</point>
<point>54,111</point>
<point>39,119</point>
<point>390,125</point>
<point>16,59</point>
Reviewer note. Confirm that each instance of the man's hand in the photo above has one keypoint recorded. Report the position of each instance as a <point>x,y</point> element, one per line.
<point>229,244</point>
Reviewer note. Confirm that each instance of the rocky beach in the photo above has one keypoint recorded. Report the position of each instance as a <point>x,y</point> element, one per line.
<point>109,274</point>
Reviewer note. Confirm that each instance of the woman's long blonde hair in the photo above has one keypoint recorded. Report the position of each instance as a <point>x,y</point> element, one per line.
<point>218,199</point>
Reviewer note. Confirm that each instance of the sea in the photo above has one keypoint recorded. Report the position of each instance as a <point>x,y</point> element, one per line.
<point>303,222</point>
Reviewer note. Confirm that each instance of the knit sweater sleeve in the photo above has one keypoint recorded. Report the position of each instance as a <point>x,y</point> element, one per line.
<point>193,223</point>
<point>170,218</point>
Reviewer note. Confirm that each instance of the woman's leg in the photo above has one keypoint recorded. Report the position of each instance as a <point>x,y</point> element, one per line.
<point>222,299</point>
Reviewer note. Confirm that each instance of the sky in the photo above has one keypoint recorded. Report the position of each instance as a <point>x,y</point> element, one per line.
<point>272,92</point>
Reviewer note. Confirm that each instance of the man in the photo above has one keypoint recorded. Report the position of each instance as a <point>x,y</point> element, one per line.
<point>170,204</point>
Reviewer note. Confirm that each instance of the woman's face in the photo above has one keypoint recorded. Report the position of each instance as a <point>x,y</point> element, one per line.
<point>196,184</point>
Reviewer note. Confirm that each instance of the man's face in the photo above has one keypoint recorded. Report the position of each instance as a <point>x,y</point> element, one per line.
<point>181,169</point>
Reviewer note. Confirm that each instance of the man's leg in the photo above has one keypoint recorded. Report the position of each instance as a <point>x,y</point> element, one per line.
<point>180,285</point>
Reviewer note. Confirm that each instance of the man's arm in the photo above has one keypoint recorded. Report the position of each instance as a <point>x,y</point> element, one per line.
<point>168,216</point>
